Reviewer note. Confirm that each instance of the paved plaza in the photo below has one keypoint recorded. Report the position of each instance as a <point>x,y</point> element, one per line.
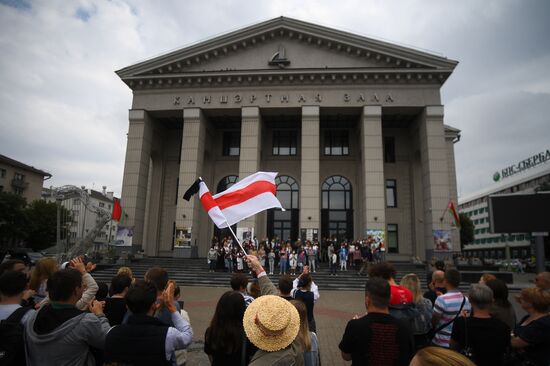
<point>332,312</point>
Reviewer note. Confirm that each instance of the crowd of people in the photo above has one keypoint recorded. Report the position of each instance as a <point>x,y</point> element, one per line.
<point>59,315</point>
<point>291,257</point>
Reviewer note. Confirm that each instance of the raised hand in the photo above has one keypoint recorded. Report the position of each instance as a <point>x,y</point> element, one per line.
<point>168,297</point>
<point>96,307</point>
<point>78,264</point>
<point>90,267</point>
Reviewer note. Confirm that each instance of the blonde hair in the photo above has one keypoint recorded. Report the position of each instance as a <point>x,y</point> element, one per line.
<point>538,298</point>
<point>412,282</point>
<point>125,271</point>
<point>303,333</point>
<point>436,356</point>
<point>42,270</point>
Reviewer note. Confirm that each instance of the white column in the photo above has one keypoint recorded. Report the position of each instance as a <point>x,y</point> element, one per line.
<point>435,174</point>
<point>191,166</point>
<point>372,160</point>
<point>249,157</point>
<point>310,214</point>
<point>136,173</point>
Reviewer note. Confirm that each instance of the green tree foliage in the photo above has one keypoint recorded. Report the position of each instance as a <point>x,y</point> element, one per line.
<point>32,225</point>
<point>42,227</point>
<point>13,219</point>
<point>544,187</point>
<point>466,230</point>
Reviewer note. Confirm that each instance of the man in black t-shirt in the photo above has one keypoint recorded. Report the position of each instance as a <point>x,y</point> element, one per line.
<point>377,339</point>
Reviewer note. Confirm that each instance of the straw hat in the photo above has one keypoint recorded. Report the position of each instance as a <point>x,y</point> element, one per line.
<point>271,323</point>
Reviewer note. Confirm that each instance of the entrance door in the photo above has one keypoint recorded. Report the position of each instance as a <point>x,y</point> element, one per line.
<point>337,212</point>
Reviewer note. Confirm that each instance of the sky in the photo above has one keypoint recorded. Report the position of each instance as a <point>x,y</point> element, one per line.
<point>65,111</point>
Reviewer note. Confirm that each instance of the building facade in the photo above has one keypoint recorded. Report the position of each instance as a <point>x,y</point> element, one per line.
<point>354,127</point>
<point>509,180</point>
<point>81,219</point>
<point>22,179</point>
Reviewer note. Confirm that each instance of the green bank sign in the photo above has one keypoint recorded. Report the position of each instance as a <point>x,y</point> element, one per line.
<point>528,163</point>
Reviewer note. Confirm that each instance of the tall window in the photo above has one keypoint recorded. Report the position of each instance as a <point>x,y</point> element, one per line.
<point>18,176</point>
<point>284,142</point>
<point>284,224</point>
<point>224,184</point>
<point>336,142</point>
<point>393,242</point>
<point>337,212</point>
<point>231,143</point>
<point>389,149</point>
<point>2,173</point>
<point>391,193</point>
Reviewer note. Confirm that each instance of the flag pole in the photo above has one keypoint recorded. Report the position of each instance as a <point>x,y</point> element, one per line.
<point>235,236</point>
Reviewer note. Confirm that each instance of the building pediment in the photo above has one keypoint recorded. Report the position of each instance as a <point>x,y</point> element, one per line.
<point>284,50</point>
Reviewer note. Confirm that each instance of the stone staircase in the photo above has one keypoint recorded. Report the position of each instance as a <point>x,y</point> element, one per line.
<point>194,272</point>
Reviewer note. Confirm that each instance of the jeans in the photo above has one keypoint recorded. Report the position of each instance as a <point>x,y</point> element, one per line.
<point>333,268</point>
<point>271,265</point>
<point>284,265</point>
<point>311,261</point>
<point>212,265</point>
<point>229,265</point>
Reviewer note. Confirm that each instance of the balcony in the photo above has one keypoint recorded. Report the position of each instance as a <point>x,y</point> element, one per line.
<point>19,183</point>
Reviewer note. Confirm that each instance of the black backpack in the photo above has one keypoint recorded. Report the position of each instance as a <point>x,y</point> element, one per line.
<point>12,347</point>
<point>411,314</point>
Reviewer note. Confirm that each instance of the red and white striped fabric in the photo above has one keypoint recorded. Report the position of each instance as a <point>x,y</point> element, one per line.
<point>253,194</point>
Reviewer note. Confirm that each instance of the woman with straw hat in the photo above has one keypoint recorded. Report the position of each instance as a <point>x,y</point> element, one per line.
<point>272,323</point>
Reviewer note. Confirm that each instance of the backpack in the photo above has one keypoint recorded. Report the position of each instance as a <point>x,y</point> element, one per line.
<point>12,346</point>
<point>413,315</point>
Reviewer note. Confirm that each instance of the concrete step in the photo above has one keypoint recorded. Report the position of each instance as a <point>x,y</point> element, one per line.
<point>194,272</point>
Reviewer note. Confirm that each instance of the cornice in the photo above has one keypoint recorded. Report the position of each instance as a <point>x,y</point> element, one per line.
<point>389,59</point>
<point>234,78</point>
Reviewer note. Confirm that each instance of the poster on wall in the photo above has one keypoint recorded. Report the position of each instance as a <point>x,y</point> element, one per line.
<point>309,234</point>
<point>375,237</point>
<point>183,237</point>
<point>124,236</point>
<point>442,241</point>
<point>245,233</point>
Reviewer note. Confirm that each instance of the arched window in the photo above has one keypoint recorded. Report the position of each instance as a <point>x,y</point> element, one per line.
<point>287,191</point>
<point>336,191</point>
<point>284,224</point>
<point>337,208</point>
<point>224,184</point>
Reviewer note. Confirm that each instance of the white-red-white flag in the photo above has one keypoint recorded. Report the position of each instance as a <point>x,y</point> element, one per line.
<point>253,194</point>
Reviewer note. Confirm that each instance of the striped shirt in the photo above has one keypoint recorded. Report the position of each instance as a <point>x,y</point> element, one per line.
<point>447,306</point>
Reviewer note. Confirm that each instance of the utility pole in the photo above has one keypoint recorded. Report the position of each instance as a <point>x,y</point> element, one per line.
<point>58,230</point>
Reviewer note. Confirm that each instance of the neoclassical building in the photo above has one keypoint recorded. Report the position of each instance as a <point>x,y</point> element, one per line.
<point>354,127</point>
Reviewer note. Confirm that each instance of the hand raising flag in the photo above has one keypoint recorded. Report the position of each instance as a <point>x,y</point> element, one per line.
<point>253,194</point>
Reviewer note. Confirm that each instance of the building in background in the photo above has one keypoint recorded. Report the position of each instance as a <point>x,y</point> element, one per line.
<point>354,127</point>
<point>81,220</point>
<point>21,179</point>
<point>527,176</point>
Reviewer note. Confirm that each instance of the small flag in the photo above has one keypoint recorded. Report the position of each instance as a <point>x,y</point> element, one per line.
<point>451,207</point>
<point>117,210</point>
<point>246,198</point>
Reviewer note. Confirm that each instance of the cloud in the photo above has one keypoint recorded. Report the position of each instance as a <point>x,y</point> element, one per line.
<point>498,129</point>
<point>62,108</point>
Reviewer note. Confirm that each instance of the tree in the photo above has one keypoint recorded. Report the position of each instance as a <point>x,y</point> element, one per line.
<point>466,230</point>
<point>544,187</point>
<point>42,228</point>
<point>13,219</point>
